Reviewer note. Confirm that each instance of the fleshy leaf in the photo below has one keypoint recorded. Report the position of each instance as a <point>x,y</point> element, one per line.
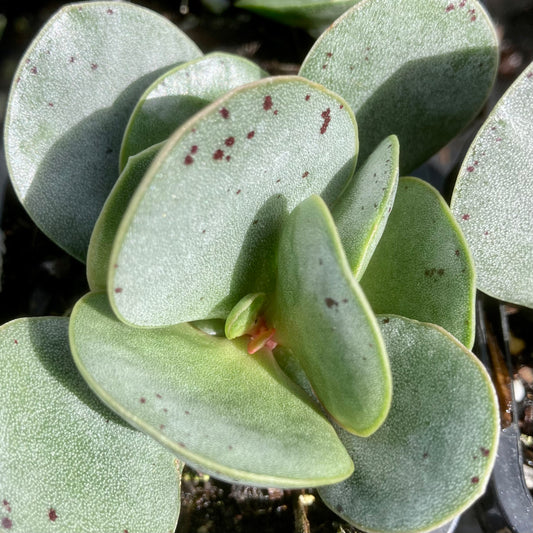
<point>68,463</point>
<point>115,206</point>
<point>362,211</point>
<point>419,69</point>
<point>70,101</point>
<point>492,199</point>
<point>321,314</point>
<point>422,267</point>
<point>217,195</point>
<point>181,92</point>
<point>433,455</point>
<point>229,414</point>
<point>244,314</point>
<point>313,15</point>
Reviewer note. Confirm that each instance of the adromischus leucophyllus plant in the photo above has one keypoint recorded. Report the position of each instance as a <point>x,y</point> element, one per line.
<point>269,300</point>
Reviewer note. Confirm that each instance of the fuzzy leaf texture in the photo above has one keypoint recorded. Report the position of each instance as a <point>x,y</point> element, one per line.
<point>229,414</point>
<point>68,463</point>
<point>418,69</point>
<point>70,101</point>
<point>432,457</point>
<point>492,199</point>
<point>322,316</point>
<point>217,194</point>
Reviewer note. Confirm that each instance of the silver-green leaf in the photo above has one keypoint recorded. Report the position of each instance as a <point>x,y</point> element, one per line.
<point>422,267</point>
<point>229,414</point>
<point>419,69</point>
<point>492,198</point>
<point>362,211</point>
<point>433,456</point>
<point>217,194</point>
<point>181,92</point>
<point>68,463</point>
<point>322,316</point>
<point>70,101</point>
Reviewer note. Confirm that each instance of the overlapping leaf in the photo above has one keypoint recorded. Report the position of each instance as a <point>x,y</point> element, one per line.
<point>419,69</point>
<point>492,199</point>
<point>227,413</point>
<point>108,221</point>
<point>181,92</point>
<point>68,463</point>
<point>422,267</point>
<point>202,229</point>
<point>362,211</point>
<point>69,104</point>
<point>322,316</point>
<point>433,455</point>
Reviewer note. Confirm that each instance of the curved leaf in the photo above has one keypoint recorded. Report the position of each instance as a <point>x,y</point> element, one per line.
<point>433,455</point>
<point>231,415</point>
<point>313,15</point>
<point>217,195</point>
<point>422,267</point>
<point>181,92</point>
<point>69,104</point>
<point>243,316</point>
<point>322,316</point>
<point>419,69</point>
<point>115,206</point>
<point>362,211</point>
<point>492,197</point>
<point>68,463</point>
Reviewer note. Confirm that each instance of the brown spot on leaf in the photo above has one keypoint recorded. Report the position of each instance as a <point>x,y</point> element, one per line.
<point>250,134</point>
<point>325,66</point>
<point>267,103</point>
<point>72,59</point>
<point>386,320</point>
<point>194,149</point>
<point>187,412</point>
<point>16,342</point>
<point>330,302</point>
<point>466,217</point>
<point>219,154</point>
<point>329,54</point>
<point>142,400</point>
<point>52,515</point>
<point>485,452</point>
<point>238,191</point>
<point>529,75</point>
<point>158,395</point>
<point>7,523</point>
<point>228,157</point>
<point>230,141</point>
<point>305,174</point>
<point>307,97</point>
<point>33,70</point>
<point>449,8</point>
<point>457,253</point>
<point>470,169</point>
<point>224,113</point>
<point>425,455</point>
<point>118,290</point>
<point>473,18</point>
<point>475,480</point>
<point>94,66</point>
<point>326,115</point>
<point>109,11</point>
<point>189,160</point>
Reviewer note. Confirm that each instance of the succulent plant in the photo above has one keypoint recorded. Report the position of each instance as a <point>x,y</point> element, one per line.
<point>270,301</point>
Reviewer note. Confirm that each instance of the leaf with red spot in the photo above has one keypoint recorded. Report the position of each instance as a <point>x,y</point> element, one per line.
<point>322,316</point>
<point>229,414</point>
<point>422,467</point>
<point>422,267</point>
<point>197,238</point>
<point>494,188</point>
<point>412,68</point>
<point>181,92</point>
<point>69,463</point>
<point>63,159</point>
